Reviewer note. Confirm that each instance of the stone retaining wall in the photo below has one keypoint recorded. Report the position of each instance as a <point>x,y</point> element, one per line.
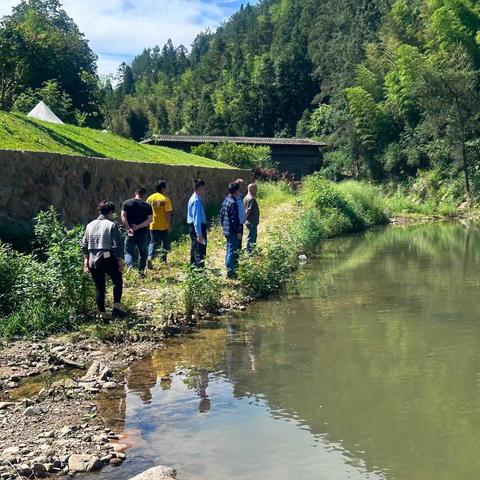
<point>32,181</point>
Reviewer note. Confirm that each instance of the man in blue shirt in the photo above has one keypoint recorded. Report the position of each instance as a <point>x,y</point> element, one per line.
<point>197,222</point>
<point>232,228</point>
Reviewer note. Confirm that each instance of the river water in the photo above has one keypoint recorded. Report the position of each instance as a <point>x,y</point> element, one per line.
<point>368,369</point>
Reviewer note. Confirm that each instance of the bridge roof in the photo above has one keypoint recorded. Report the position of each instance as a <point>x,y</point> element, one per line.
<point>197,140</point>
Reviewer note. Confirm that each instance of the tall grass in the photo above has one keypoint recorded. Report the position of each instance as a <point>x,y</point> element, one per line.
<point>43,292</point>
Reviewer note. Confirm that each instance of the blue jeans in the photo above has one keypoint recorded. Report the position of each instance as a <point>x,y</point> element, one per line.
<point>159,237</point>
<point>231,257</point>
<point>139,241</point>
<point>251,236</point>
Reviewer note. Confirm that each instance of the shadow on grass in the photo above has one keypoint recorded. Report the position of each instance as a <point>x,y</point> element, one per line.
<point>79,148</point>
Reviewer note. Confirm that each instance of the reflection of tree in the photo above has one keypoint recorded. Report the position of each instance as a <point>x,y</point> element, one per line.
<point>381,353</point>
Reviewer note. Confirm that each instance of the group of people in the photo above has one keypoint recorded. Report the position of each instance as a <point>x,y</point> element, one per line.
<point>148,223</point>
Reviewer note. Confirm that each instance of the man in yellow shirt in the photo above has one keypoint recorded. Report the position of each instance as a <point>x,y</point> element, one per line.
<point>161,225</point>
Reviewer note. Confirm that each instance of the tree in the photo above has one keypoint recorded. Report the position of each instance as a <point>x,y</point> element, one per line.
<point>40,43</point>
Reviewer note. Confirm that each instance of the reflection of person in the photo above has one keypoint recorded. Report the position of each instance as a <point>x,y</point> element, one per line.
<point>161,225</point>
<point>141,378</point>
<point>232,228</point>
<point>251,352</point>
<point>252,216</point>
<point>201,389</point>
<point>103,255</point>
<point>136,217</point>
<point>197,222</point>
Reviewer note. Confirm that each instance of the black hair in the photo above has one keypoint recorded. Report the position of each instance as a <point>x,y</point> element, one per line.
<point>105,207</point>
<point>160,185</point>
<point>198,183</point>
<point>141,191</point>
<point>233,187</point>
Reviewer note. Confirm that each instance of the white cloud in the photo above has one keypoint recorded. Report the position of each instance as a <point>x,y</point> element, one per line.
<point>119,29</point>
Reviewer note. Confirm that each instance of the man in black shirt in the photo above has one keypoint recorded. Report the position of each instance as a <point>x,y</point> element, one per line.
<point>137,215</point>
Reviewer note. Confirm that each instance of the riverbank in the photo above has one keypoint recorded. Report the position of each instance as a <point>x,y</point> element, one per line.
<point>171,300</point>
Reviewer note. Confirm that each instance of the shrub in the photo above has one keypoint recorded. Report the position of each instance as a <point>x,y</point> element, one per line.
<point>201,290</point>
<point>268,270</point>
<point>42,293</point>
<point>309,231</point>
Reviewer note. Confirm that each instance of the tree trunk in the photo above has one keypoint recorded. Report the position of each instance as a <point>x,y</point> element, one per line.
<point>465,170</point>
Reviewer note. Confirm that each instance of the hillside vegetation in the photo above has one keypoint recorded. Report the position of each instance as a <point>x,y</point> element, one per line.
<point>18,132</point>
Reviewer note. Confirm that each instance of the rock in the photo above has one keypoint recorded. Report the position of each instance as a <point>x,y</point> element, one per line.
<point>39,470</point>
<point>110,385</point>
<point>115,462</point>
<point>302,258</point>
<point>24,471</point>
<point>105,375</point>
<point>94,371</point>
<point>71,363</point>
<point>5,405</point>
<point>79,462</point>
<point>121,455</point>
<point>119,447</point>
<point>65,383</point>
<point>11,451</point>
<point>94,464</point>
<point>157,473</point>
<point>66,430</point>
<point>32,411</point>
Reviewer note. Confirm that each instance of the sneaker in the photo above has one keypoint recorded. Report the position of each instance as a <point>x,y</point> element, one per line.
<point>117,313</point>
<point>104,317</point>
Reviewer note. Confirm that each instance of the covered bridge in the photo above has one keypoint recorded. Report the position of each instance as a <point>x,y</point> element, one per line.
<point>299,156</point>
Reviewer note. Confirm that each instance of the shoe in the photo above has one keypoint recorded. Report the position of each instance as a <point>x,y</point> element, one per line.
<point>150,263</point>
<point>104,317</point>
<point>117,311</point>
<point>141,274</point>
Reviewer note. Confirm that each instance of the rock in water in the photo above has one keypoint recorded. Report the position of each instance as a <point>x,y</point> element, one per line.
<point>80,463</point>
<point>157,473</point>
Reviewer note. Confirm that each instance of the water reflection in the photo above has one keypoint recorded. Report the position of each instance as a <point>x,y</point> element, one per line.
<point>369,369</point>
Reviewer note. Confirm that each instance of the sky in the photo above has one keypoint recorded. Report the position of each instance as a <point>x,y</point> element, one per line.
<point>120,29</point>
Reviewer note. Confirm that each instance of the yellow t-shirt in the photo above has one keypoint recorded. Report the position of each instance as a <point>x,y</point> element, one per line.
<point>161,205</point>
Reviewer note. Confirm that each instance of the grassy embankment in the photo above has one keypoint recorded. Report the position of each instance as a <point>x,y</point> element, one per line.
<point>19,132</point>
<point>48,293</point>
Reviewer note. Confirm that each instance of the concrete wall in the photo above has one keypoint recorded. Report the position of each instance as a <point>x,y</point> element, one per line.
<point>32,181</point>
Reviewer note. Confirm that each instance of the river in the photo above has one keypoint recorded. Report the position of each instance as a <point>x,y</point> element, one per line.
<point>368,369</point>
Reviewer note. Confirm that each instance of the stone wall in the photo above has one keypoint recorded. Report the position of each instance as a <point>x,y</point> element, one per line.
<point>32,181</point>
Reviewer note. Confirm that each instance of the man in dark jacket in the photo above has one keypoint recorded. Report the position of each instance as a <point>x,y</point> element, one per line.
<point>232,228</point>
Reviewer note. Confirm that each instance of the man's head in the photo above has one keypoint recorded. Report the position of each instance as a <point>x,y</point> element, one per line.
<point>199,186</point>
<point>234,189</point>
<point>160,186</point>
<point>141,193</point>
<point>106,208</point>
<point>252,189</point>
<point>240,183</point>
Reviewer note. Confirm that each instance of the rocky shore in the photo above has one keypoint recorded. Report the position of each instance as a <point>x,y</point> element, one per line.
<point>53,428</point>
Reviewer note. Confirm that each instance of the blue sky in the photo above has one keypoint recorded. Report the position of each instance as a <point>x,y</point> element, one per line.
<point>119,29</point>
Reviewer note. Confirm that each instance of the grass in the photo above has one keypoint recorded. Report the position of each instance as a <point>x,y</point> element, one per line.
<point>19,132</point>
<point>293,223</point>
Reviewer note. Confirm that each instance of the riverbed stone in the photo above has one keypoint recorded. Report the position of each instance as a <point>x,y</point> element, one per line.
<point>5,405</point>
<point>157,473</point>
<point>32,411</point>
<point>78,462</point>
<point>10,451</point>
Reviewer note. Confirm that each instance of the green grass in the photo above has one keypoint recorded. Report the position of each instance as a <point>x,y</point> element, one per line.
<point>18,132</point>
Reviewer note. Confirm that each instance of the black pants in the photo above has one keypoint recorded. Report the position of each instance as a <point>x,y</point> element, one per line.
<point>198,251</point>
<point>107,266</point>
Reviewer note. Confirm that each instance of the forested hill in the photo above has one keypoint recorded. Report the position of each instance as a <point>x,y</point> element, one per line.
<point>256,75</point>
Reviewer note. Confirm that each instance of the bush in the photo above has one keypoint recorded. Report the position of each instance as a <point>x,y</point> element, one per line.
<point>201,291</point>
<point>42,293</point>
<point>268,270</point>
<point>238,155</point>
<point>309,232</point>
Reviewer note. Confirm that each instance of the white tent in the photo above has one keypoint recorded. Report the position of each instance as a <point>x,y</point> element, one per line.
<point>43,112</point>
